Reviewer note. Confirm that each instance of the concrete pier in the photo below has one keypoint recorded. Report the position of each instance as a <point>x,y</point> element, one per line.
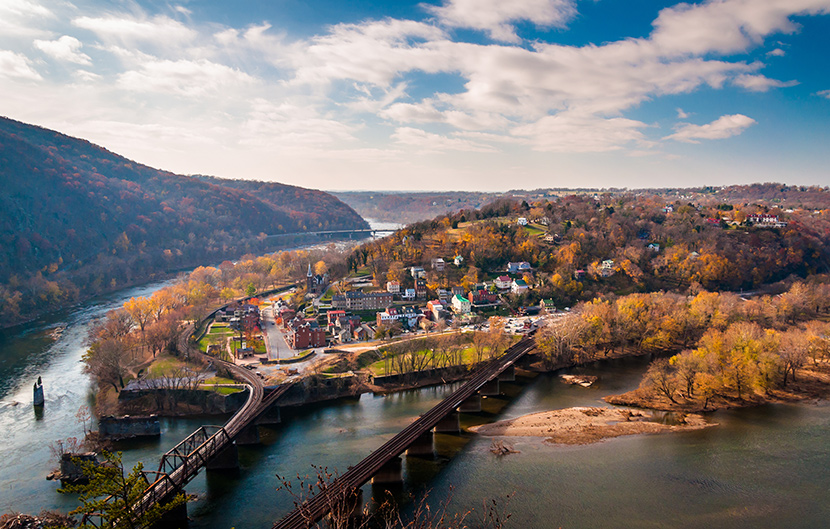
<point>450,423</point>
<point>37,398</point>
<point>491,388</point>
<point>508,375</point>
<point>471,405</point>
<point>248,436</point>
<point>271,416</point>
<point>227,459</point>
<point>391,472</point>
<point>424,445</point>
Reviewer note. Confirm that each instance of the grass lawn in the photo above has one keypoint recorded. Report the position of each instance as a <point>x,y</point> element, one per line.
<point>534,230</point>
<point>164,365</point>
<point>468,356</point>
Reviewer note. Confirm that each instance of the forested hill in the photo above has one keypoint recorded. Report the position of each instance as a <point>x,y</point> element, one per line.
<point>76,219</point>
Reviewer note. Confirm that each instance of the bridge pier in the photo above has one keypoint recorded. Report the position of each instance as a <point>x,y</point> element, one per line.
<point>490,388</point>
<point>509,374</point>
<point>227,459</point>
<point>450,423</point>
<point>422,446</point>
<point>248,436</point>
<point>390,472</point>
<point>271,416</point>
<point>471,404</point>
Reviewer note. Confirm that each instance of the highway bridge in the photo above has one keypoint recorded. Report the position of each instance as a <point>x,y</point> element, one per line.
<point>347,485</point>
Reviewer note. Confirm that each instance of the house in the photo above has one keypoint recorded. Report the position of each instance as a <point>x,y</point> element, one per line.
<point>668,209</point>
<point>457,291</point>
<point>579,274</point>
<point>438,264</point>
<point>443,295</point>
<point>547,305</point>
<point>417,272</point>
<point>518,286</point>
<point>502,282</point>
<point>304,333</point>
<point>654,247</point>
<point>458,261</point>
<point>364,332</point>
<point>344,335</point>
<point>333,315</point>
<point>482,297</point>
<point>388,316</point>
<point>606,268</point>
<point>521,266</point>
<point>713,221</point>
<point>522,221</point>
<point>549,237</point>
<point>409,294</point>
<point>461,305</point>
<point>408,316</point>
<point>420,289</point>
<point>393,287</point>
<point>765,221</point>
<point>436,308</point>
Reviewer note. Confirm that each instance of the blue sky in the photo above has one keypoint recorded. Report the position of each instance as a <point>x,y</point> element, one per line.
<point>446,94</point>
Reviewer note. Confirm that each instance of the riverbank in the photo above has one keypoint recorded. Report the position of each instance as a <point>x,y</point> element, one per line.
<point>586,425</point>
<point>812,384</point>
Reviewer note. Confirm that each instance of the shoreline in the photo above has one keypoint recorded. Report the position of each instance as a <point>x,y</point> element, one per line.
<point>811,385</point>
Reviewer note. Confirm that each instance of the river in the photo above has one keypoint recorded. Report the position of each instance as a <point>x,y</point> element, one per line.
<point>762,467</point>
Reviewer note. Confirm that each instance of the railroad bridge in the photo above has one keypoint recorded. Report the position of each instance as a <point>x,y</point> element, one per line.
<point>211,447</point>
<point>385,461</point>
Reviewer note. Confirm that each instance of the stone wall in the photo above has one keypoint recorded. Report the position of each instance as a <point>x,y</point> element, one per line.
<point>127,427</point>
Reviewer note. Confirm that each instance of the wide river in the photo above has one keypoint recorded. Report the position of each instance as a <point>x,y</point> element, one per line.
<point>762,467</point>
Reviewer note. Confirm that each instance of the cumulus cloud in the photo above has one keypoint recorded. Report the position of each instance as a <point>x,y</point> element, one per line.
<point>496,17</point>
<point>183,77</point>
<point>824,93</point>
<point>65,49</point>
<point>16,65</point>
<point>681,114</point>
<point>723,127</point>
<point>23,18</point>
<point>777,52</point>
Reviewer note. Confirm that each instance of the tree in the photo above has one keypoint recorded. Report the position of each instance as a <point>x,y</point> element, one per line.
<point>660,376</point>
<point>106,360</point>
<point>140,310</point>
<point>114,494</point>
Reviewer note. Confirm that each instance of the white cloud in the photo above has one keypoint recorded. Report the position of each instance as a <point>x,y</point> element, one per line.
<point>824,93</point>
<point>496,17</point>
<point>16,65</point>
<point>777,52</point>
<point>681,114</point>
<point>183,77</point>
<point>759,83</point>
<point>292,124</point>
<point>131,31</point>
<point>723,127</point>
<point>65,49</point>
<point>428,142</point>
<point>23,18</point>
<point>727,26</point>
<point>576,132</point>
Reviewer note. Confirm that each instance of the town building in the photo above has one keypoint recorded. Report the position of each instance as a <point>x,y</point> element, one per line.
<point>522,221</point>
<point>417,272</point>
<point>393,287</point>
<point>461,305</point>
<point>502,282</point>
<point>458,261</point>
<point>518,286</point>
<point>420,289</point>
<point>305,333</point>
<point>438,264</point>
<point>521,266</point>
<point>359,300</point>
<point>547,306</point>
<point>482,297</point>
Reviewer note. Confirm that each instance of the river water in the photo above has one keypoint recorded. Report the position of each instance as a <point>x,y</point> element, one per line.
<point>762,467</point>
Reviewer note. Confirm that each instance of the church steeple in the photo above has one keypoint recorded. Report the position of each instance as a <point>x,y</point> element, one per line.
<point>309,280</point>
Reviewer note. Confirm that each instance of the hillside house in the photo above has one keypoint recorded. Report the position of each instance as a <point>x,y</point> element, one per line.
<point>518,286</point>
<point>393,287</point>
<point>502,282</point>
<point>461,305</point>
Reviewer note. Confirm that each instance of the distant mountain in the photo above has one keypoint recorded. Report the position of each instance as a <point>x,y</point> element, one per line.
<point>76,219</point>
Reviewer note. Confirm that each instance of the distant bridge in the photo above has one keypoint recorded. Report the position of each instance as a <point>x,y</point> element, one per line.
<point>315,508</point>
<point>322,233</point>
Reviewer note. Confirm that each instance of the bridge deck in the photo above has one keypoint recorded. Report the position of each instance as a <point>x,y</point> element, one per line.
<point>318,506</point>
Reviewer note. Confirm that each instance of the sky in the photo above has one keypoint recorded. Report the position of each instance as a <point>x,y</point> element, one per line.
<point>477,95</point>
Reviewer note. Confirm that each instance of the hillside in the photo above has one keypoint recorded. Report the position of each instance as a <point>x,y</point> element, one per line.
<point>77,220</point>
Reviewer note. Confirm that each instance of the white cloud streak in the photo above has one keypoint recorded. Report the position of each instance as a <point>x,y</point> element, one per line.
<point>16,65</point>
<point>721,128</point>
